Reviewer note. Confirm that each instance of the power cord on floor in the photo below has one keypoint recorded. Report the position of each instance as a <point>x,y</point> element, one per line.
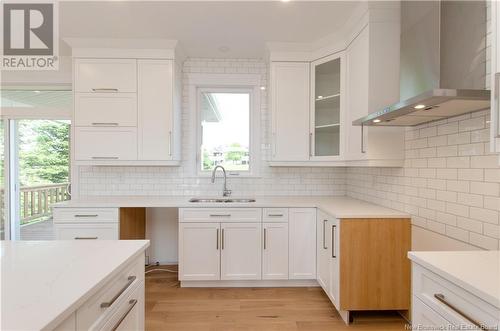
<point>159,269</point>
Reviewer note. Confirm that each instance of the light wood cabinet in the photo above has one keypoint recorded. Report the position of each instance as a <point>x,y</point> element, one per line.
<point>361,266</point>
<point>302,243</point>
<point>290,111</point>
<point>241,251</point>
<point>199,251</point>
<point>275,250</point>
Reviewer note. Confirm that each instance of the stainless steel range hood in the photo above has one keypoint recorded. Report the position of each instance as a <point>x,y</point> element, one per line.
<point>443,63</point>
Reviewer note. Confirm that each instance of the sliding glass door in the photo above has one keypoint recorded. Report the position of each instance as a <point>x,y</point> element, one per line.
<point>37,162</point>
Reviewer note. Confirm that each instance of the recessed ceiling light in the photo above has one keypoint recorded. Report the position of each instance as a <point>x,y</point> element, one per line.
<point>285,0</point>
<point>224,49</point>
<point>36,91</point>
<point>320,97</point>
<point>263,88</point>
<point>376,121</point>
<point>419,107</point>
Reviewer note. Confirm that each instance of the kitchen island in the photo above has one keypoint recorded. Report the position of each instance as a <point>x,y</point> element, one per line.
<point>72,285</point>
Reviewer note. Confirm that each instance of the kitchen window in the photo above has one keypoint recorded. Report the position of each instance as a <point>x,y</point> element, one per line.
<point>226,133</point>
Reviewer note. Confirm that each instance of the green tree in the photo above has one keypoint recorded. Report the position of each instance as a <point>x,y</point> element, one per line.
<point>236,153</point>
<point>44,157</point>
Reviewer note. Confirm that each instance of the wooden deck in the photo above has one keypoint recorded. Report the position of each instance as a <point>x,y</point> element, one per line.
<point>43,230</point>
<point>169,307</point>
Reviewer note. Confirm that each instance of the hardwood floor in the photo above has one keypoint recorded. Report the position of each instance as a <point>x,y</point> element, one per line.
<point>169,307</point>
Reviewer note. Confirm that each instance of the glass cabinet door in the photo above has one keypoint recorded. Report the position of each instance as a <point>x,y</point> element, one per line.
<point>326,107</point>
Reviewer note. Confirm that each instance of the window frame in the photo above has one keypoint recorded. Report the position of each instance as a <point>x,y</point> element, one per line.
<point>230,83</point>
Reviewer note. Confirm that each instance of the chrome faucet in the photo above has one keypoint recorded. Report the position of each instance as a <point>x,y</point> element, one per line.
<point>225,191</point>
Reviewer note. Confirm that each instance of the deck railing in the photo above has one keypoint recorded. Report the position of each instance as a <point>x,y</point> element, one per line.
<point>36,200</point>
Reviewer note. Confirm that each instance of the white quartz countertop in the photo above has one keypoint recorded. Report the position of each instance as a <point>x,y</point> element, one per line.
<point>478,272</point>
<point>340,207</point>
<point>43,282</point>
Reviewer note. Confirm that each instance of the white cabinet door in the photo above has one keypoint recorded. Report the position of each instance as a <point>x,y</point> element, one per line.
<point>241,251</point>
<point>105,75</point>
<point>423,315</point>
<point>83,231</point>
<point>290,111</point>
<point>333,230</point>
<point>155,104</point>
<point>199,251</point>
<point>323,256</point>
<point>129,316</point>
<point>105,109</point>
<point>275,251</point>
<point>105,144</point>
<point>302,243</point>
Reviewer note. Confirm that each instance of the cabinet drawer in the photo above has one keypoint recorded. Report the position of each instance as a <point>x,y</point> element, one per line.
<point>65,215</point>
<point>104,109</point>
<point>110,297</point>
<point>220,215</point>
<point>130,314</point>
<point>105,144</point>
<point>105,75</point>
<point>424,317</point>
<point>275,214</point>
<point>81,231</point>
<point>430,288</point>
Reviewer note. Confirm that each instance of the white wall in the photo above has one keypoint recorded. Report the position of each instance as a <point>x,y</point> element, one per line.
<point>181,181</point>
<point>450,183</point>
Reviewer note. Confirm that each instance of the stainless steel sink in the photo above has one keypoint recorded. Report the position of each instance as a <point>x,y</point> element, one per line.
<point>221,200</point>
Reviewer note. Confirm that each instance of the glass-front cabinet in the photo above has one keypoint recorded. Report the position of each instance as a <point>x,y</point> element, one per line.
<point>327,85</point>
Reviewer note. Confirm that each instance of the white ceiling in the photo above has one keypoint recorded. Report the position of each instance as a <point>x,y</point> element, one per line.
<point>205,28</point>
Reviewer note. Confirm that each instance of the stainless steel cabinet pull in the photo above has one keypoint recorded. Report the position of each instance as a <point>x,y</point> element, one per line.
<point>86,215</point>
<point>442,299</point>
<point>104,123</point>
<point>265,238</point>
<point>334,255</point>
<point>222,239</point>
<point>220,215</point>
<point>170,143</point>
<point>275,215</point>
<point>310,144</point>
<point>85,238</point>
<point>324,234</point>
<point>497,105</point>
<point>131,279</point>
<point>104,89</point>
<point>132,304</point>
<point>363,139</point>
<point>217,242</point>
<point>105,157</point>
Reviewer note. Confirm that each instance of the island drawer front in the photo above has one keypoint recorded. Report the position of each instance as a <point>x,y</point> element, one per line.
<point>65,215</point>
<point>220,215</point>
<point>104,303</point>
<point>427,285</point>
<point>87,231</point>
<point>279,215</point>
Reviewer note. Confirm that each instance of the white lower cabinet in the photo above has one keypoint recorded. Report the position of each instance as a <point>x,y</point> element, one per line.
<point>424,317</point>
<point>199,251</point>
<point>239,246</point>
<point>328,252</point>
<point>86,223</point>
<point>302,243</point>
<point>117,305</point>
<point>241,251</point>
<point>275,250</point>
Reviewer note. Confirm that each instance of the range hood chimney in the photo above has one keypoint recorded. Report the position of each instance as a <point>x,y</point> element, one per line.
<point>443,63</point>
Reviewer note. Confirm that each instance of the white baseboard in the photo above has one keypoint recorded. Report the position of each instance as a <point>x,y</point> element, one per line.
<point>250,283</point>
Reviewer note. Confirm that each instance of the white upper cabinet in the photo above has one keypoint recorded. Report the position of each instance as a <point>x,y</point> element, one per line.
<point>155,109</point>
<point>290,111</point>
<point>327,90</point>
<point>348,80</point>
<point>372,61</point>
<point>126,112</point>
<point>106,75</point>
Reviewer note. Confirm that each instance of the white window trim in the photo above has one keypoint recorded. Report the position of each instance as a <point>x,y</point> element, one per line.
<point>248,82</point>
